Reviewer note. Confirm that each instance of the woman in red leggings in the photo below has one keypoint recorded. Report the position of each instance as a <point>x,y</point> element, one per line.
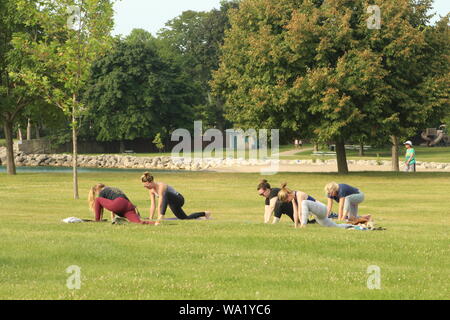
<point>103,197</point>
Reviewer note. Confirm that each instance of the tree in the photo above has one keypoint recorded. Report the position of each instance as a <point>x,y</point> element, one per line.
<point>415,56</point>
<point>254,68</point>
<point>193,39</point>
<point>14,94</point>
<point>158,142</point>
<point>135,93</point>
<point>295,66</point>
<point>317,68</point>
<point>76,33</point>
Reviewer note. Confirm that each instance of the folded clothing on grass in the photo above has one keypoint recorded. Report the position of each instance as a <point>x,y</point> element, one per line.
<point>78,220</point>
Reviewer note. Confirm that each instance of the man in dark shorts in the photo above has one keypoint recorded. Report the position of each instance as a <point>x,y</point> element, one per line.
<point>273,205</point>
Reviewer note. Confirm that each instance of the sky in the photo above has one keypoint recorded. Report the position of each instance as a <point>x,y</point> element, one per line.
<point>151,15</point>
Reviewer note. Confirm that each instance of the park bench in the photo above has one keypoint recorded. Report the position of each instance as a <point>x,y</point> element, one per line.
<point>351,147</point>
<point>322,153</point>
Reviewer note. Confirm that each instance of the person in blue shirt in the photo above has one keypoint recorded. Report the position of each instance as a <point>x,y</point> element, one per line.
<point>348,198</point>
<point>304,205</point>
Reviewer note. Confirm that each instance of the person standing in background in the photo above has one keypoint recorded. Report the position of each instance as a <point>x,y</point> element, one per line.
<point>410,157</point>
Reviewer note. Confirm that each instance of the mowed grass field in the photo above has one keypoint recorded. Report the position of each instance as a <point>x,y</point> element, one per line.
<point>233,256</point>
<point>423,154</point>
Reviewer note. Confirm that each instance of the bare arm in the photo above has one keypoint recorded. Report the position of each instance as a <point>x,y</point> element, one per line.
<point>162,188</point>
<point>295,206</point>
<point>267,214</point>
<point>341,208</point>
<point>329,207</point>
<point>273,205</point>
<point>270,209</point>
<point>152,205</point>
<point>410,157</point>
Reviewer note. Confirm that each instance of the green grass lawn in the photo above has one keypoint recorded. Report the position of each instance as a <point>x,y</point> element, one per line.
<point>436,154</point>
<point>233,256</point>
<point>235,154</point>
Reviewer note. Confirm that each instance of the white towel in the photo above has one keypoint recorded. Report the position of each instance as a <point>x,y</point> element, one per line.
<point>72,220</point>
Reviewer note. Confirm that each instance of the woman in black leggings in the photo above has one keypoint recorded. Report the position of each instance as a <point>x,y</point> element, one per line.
<point>168,196</point>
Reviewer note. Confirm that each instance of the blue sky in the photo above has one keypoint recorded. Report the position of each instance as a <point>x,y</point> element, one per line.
<point>151,15</point>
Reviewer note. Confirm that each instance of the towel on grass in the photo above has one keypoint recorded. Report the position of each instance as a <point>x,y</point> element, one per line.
<point>72,220</point>
<point>78,220</point>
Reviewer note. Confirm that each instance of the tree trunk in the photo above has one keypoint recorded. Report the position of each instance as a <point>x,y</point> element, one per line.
<point>75,156</point>
<point>122,147</point>
<point>361,149</point>
<point>29,129</point>
<point>36,130</point>
<point>341,157</point>
<point>316,147</point>
<point>19,133</point>
<point>10,164</point>
<point>394,152</point>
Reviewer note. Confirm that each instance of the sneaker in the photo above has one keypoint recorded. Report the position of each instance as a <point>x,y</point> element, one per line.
<point>119,220</point>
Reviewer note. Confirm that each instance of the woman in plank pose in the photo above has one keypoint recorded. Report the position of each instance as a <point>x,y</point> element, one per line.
<point>102,197</point>
<point>168,196</point>
<point>304,205</point>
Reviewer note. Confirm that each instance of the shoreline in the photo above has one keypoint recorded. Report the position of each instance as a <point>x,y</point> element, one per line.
<point>232,165</point>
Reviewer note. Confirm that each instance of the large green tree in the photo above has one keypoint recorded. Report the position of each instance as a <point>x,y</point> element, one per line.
<point>318,69</point>
<point>135,93</point>
<point>14,94</point>
<point>193,39</point>
<point>75,34</point>
<point>416,59</point>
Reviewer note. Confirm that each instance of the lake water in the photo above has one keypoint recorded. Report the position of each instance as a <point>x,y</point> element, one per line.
<point>80,170</point>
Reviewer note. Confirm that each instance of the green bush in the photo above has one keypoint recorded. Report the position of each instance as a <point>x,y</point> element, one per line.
<point>158,142</point>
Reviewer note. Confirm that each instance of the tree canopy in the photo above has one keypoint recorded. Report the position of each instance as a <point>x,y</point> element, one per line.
<point>135,93</point>
<point>315,69</point>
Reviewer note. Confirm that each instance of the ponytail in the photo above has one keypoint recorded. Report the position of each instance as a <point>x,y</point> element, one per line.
<point>147,177</point>
<point>264,184</point>
<point>93,194</point>
<point>284,193</point>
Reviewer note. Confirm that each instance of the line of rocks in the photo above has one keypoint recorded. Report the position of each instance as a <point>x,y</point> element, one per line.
<point>127,162</point>
<point>419,164</point>
<point>173,163</point>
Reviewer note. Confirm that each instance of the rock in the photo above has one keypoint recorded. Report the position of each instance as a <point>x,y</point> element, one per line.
<point>33,163</point>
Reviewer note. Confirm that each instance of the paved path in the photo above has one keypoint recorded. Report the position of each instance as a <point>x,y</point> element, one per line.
<point>294,152</point>
<point>325,168</point>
